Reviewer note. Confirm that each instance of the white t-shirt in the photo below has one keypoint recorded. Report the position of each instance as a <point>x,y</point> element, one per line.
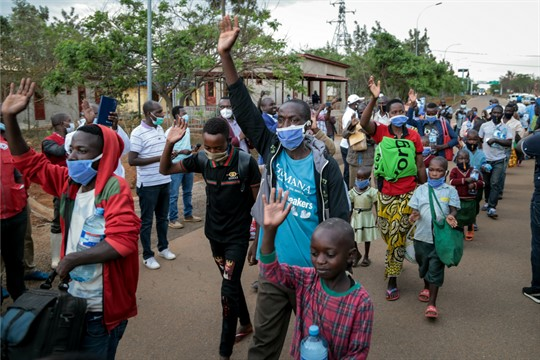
<point>381,119</point>
<point>347,116</point>
<point>488,130</point>
<point>91,290</point>
<point>149,141</point>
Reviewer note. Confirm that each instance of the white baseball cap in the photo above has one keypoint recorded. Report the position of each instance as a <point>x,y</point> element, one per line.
<point>354,98</point>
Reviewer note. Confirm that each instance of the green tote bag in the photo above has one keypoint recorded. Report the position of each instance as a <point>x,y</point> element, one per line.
<point>448,241</point>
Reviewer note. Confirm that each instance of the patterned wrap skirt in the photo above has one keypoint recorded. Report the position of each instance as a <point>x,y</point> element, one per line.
<point>393,214</point>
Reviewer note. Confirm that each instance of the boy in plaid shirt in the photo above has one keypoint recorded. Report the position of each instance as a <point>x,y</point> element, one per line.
<point>326,295</point>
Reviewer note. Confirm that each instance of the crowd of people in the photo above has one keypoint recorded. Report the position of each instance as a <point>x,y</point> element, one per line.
<point>310,215</point>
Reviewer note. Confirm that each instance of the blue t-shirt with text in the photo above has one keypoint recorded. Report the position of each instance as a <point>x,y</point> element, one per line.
<point>293,237</point>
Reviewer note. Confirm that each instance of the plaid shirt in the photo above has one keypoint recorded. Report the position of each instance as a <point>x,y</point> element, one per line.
<point>344,319</point>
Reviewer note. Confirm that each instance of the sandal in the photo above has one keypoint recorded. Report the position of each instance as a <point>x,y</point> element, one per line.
<point>424,295</point>
<point>392,294</point>
<point>431,312</point>
<point>242,333</point>
<point>469,235</point>
<point>366,262</point>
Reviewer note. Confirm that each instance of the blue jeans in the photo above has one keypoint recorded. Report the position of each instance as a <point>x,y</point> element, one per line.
<point>494,181</point>
<point>186,180</point>
<point>154,199</point>
<point>535,243</point>
<point>97,341</point>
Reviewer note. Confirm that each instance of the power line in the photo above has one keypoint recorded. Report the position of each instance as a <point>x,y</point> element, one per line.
<point>475,53</point>
<point>490,63</point>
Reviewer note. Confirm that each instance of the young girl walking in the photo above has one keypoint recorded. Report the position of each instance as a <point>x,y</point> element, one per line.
<point>468,182</point>
<point>363,197</point>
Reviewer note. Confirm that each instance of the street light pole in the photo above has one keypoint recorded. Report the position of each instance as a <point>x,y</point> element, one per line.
<point>416,29</point>
<point>149,50</point>
<point>448,47</point>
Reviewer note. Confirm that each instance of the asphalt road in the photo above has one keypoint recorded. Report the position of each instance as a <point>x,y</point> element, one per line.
<point>483,314</point>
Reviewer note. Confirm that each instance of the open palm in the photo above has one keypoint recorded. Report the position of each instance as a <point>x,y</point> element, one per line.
<point>276,209</point>
<point>177,131</point>
<point>374,87</point>
<point>228,33</point>
<point>18,100</point>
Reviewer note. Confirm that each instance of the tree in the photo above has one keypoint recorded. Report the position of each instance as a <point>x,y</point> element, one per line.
<point>518,83</point>
<point>27,43</point>
<point>112,54</point>
<point>394,62</point>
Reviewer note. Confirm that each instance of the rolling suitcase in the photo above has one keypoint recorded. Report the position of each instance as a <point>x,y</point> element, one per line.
<point>42,322</point>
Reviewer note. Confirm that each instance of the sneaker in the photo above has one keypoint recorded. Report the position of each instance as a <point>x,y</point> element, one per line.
<point>485,207</point>
<point>192,219</point>
<point>532,293</point>
<point>167,254</point>
<point>151,263</point>
<point>176,225</point>
<point>492,213</point>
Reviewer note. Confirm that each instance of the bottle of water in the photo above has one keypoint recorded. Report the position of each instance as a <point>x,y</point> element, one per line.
<point>93,232</point>
<point>433,135</point>
<point>313,346</point>
<point>475,175</point>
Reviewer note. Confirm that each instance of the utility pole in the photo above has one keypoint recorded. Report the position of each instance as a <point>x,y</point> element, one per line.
<point>341,35</point>
<point>149,50</point>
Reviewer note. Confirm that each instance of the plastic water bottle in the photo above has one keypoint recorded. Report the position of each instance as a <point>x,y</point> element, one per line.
<point>313,346</point>
<point>475,175</point>
<point>93,232</point>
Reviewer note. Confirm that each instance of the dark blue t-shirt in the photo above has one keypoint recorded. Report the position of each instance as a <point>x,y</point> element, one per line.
<point>531,147</point>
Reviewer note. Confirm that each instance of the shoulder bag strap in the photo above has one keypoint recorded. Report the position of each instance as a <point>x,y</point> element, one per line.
<point>432,195</point>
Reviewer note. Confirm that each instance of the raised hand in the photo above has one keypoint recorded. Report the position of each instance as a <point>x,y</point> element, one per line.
<point>228,34</point>
<point>276,209</point>
<point>412,96</point>
<point>17,101</point>
<point>177,131</point>
<point>374,88</point>
<point>113,117</point>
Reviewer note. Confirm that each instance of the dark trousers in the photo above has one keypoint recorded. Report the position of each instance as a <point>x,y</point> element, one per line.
<point>344,152</point>
<point>154,199</point>
<point>12,234</point>
<point>535,243</point>
<point>55,224</point>
<point>230,259</point>
<point>494,182</point>
<point>97,341</point>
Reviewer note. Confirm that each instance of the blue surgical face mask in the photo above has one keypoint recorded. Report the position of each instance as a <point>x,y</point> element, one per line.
<point>2,127</point>
<point>291,137</point>
<point>431,118</point>
<point>81,171</point>
<point>185,117</point>
<point>361,184</point>
<point>158,121</point>
<point>398,120</point>
<point>435,183</point>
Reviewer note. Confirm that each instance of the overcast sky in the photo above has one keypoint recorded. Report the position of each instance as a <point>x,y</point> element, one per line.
<point>485,36</point>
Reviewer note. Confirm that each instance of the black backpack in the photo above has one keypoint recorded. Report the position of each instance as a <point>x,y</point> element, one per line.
<point>42,322</point>
<point>243,166</point>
